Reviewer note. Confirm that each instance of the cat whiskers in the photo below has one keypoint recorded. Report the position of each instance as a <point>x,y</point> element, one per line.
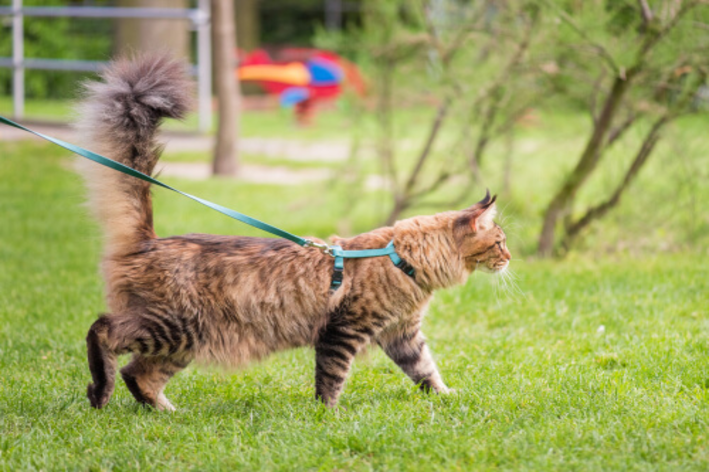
<point>501,213</point>
<point>506,281</point>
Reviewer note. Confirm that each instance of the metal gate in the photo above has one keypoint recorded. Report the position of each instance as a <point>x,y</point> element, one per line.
<point>199,16</point>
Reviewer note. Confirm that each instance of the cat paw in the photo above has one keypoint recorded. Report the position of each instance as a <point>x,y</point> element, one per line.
<point>163,404</point>
<point>97,398</point>
<point>446,391</point>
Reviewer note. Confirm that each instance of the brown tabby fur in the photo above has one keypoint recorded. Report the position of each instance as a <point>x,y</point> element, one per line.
<point>230,299</point>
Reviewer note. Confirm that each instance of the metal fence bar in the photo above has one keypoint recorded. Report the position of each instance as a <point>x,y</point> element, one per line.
<point>204,66</point>
<point>333,14</point>
<point>18,72</point>
<point>63,64</point>
<point>68,65</point>
<point>104,12</point>
<point>200,17</point>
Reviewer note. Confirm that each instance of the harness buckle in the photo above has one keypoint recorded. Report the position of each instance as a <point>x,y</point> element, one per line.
<point>338,274</point>
<point>323,247</point>
<point>405,267</point>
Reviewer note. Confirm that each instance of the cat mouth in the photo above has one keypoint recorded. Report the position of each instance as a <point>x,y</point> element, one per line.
<point>496,268</point>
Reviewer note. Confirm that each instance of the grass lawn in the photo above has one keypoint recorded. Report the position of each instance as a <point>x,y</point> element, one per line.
<point>595,363</point>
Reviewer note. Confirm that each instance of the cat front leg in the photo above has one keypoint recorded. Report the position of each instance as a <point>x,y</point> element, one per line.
<point>409,351</point>
<point>335,350</point>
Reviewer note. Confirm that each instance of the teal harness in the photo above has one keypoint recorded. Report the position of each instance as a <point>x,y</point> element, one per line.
<point>340,254</point>
<point>336,252</point>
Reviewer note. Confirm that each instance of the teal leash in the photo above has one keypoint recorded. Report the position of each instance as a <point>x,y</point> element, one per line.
<point>335,251</point>
<point>110,163</point>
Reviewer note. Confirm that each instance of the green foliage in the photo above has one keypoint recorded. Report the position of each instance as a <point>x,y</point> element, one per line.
<point>651,65</point>
<point>55,38</point>
<point>294,22</point>
<point>624,16</point>
<point>599,364</point>
<point>594,42</point>
<point>467,65</point>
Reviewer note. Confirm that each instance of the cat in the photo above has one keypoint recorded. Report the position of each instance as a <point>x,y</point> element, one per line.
<point>228,300</point>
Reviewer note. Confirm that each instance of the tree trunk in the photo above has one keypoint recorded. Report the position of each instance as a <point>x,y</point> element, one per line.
<point>587,163</point>
<point>641,157</point>
<point>648,145</point>
<point>248,24</point>
<point>227,87</point>
<point>145,35</point>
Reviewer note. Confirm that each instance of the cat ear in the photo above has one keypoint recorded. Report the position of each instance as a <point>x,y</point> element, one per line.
<point>481,214</point>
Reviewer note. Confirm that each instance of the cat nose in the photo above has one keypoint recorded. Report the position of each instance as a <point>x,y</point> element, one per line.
<point>508,255</point>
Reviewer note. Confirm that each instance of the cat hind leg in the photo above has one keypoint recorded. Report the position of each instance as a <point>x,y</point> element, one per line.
<point>146,378</point>
<point>161,346</point>
<point>102,363</point>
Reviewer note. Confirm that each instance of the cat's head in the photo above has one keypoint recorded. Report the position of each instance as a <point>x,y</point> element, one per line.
<point>481,242</point>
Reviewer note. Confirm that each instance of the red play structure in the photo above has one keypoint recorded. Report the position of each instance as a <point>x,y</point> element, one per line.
<point>300,76</point>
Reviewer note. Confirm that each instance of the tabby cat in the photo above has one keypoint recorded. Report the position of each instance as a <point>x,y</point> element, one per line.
<point>228,300</point>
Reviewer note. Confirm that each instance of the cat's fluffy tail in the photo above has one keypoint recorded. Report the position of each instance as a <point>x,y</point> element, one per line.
<point>119,118</point>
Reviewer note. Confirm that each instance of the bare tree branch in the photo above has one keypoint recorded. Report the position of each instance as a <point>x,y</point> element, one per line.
<point>597,47</point>
<point>646,12</point>
<point>426,151</point>
<point>384,116</point>
<point>514,116</point>
<point>491,100</point>
<point>433,36</point>
<point>596,212</point>
<point>495,94</point>
<point>594,96</point>
<point>652,39</point>
<point>435,185</point>
<point>453,203</point>
<point>462,35</point>
<point>700,25</point>
<point>588,161</point>
<point>616,133</point>
<point>593,151</point>
<point>646,148</point>
<point>514,61</point>
<point>475,157</point>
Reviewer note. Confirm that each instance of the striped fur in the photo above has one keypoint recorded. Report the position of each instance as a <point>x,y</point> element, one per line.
<point>228,300</point>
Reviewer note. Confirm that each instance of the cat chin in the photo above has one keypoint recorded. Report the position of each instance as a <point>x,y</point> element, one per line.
<point>497,270</point>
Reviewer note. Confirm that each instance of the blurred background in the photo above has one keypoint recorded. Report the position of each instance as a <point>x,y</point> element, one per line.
<point>587,118</point>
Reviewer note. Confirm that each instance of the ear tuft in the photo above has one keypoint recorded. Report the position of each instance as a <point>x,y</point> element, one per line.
<point>486,198</point>
<point>480,215</point>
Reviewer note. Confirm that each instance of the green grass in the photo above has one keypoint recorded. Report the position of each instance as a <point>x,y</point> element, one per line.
<point>540,386</point>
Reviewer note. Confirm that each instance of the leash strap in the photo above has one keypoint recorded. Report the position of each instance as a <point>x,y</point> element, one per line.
<point>139,175</point>
<point>335,251</point>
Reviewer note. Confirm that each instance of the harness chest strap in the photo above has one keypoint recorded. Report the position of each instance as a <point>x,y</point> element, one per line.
<point>340,254</point>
